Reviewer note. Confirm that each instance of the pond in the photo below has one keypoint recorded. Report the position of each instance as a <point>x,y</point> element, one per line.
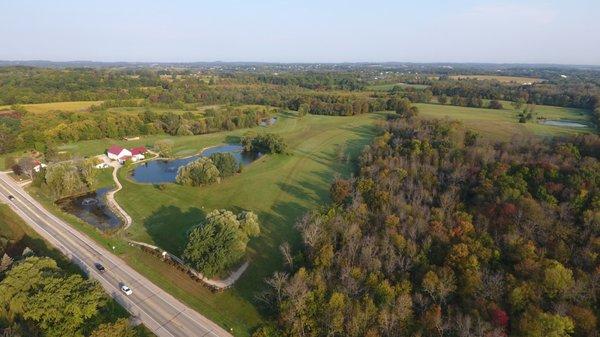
<point>165,171</point>
<point>571,124</point>
<point>91,208</point>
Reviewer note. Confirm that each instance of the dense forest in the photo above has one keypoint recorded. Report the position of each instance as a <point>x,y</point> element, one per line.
<point>444,234</point>
<point>22,85</point>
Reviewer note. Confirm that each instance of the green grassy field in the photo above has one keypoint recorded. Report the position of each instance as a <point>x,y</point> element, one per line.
<point>503,124</point>
<point>499,78</point>
<point>279,188</point>
<point>387,87</point>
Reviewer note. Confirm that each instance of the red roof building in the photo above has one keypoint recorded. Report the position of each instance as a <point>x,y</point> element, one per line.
<point>114,149</point>
<point>117,153</point>
<point>138,150</point>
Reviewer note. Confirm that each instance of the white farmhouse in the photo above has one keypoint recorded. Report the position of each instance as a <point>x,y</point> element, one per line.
<point>118,153</point>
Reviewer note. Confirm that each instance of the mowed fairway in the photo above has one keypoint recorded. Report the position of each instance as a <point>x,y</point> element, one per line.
<point>503,124</point>
<point>58,106</point>
<point>279,188</point>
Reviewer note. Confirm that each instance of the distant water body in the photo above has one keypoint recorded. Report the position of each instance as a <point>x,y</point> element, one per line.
<point>571,124</point>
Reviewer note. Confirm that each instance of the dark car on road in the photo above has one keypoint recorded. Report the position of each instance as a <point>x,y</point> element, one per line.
<point>99,267</point>
<point>11,197</point>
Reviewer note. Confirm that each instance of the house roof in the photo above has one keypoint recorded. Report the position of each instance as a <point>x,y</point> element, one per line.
<point>138,150</point>
<point>114,149</point>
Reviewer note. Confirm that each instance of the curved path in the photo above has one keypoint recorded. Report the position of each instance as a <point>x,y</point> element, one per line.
<point>110,196</point>
<point>112,203</point>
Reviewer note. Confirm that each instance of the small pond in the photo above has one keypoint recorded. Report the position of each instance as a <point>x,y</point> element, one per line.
<point>571,124</point>
<point>91,208</point>
<point>165,171</point>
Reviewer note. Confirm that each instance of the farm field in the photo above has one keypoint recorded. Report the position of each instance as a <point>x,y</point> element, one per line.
<point>499,78</point>
<point>387,87</point>
<point>279,188</point>
<point>62,106</point>
<point>503,124</point>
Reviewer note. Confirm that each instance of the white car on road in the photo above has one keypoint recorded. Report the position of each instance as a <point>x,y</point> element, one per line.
<point>126,290</point>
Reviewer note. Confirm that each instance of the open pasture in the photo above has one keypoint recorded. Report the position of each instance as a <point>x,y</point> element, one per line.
<point>499,78</point>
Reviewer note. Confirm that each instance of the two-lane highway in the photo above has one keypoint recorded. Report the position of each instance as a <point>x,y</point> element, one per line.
<point>159,311</point>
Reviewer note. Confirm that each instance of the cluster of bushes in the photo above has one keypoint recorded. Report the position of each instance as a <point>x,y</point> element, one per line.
<point>527,114</point>
<point>263,143</point>
<point>208,170</point>
<point>337,105</point>
<point>471,102</point>
<point>219,243</point>
<point>403,107</point>
<point>317,81</point>
<point>442,234</point>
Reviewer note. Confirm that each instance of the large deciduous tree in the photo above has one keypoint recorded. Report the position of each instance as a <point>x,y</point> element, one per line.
<point>164,147</point>
<point>225,163</point>
<point>63,179</point>
<point>120,328</point>
<point>199,172</point>
<point>36,289</point>
<point>220,241</point>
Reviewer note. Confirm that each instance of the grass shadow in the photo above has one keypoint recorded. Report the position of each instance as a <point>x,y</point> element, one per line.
<point>168,226</point>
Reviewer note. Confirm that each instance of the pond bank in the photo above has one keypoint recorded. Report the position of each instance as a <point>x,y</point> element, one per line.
<point>162,171</point>
<point>566,123</point>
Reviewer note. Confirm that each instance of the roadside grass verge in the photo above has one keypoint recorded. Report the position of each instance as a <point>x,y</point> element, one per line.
<point>15,229</point>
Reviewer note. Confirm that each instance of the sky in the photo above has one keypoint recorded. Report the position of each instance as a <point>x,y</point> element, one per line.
<point>494,31</point>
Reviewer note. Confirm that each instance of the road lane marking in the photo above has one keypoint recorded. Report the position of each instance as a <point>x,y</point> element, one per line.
<point>204,322</point>
<point>74,256</point>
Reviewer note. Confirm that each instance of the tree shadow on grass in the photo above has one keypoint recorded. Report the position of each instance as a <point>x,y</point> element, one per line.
<point>169,225</point>
<point>231,139</point>
<point>40,248</point>
<point>277,226</point>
